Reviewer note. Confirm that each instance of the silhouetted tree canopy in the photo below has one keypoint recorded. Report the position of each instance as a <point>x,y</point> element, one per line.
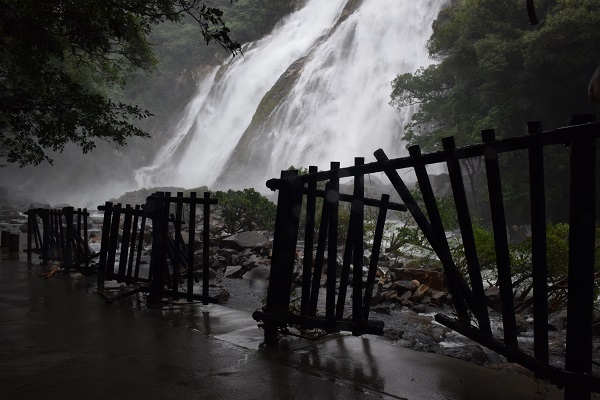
<point>495,70</point>
<point>58,57</point>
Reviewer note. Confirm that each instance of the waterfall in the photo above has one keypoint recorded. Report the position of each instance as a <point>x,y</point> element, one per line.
<point>315,90</point>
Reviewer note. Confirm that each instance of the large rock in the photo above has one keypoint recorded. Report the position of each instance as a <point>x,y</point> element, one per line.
<point>435,279</point>
<point>404,286</point>
<point>234,271</point>
<point>492,295</point>
<point>420,292</point>
<point>245,240</point>
<point>252,261</point>
<point>437,297</point>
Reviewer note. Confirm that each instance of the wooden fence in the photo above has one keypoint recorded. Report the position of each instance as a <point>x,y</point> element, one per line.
<point>468,296</point>
<point>172,259</point>
<point>295,189</point>
<point>62,237</point>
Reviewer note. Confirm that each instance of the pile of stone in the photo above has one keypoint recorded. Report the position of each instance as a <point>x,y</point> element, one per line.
<point>247,255</point>
<point>244,255</point>
<point>410,286</point>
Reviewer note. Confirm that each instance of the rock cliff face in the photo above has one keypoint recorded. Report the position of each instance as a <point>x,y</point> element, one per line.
<point>247,156</point>
<point>314,91</point>
<point>247,161</point>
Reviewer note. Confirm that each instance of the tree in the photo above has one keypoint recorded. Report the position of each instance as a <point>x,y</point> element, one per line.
<point>496,71</point>
<point>58,57</point>
<point>245,210</point>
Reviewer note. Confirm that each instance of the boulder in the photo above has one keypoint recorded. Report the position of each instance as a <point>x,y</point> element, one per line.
<point>95,237</point>
<point>234,271</point>
<point>433,278</point>
<point>244,240</point>
<point>394,273</point>
<point>419,308</point>
<point>405,296</point>
<point>404,286</point>
<point>252,261</point>
<point>420,292</point>
<point>493,298</point>
<point>438,297</point>
<point>470,352</point>
<point>558,319</point>
<point>391,295</point>
<point>381,310</point>
<point>223,296</point>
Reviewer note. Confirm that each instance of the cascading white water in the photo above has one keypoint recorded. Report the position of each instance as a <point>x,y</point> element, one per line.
<point>337,108</point>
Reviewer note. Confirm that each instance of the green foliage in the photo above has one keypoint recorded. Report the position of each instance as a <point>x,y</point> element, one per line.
<point>251,19</point>
<point>57,60</point>
<point>245,210</point>
<point>486,252</point>
<point>405,234</point>
<point>557,242</point>
<point>494,70</point>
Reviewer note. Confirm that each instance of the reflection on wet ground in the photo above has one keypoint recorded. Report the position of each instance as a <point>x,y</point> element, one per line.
<point>58,339</point>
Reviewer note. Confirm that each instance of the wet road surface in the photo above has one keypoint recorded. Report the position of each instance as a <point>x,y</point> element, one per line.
<point>59,340</point>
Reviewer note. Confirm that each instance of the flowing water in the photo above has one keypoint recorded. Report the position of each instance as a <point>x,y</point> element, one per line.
<point>316,90</point>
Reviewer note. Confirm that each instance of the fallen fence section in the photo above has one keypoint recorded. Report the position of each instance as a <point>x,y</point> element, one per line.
<point>468,297</point>
<point>295,191</point>
<point>62,237</point>
<point>173,245</point>
<point>581,139</point>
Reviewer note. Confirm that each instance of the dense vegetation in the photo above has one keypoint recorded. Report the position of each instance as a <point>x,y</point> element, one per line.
<point>58,58</point>
<point>79,72</point>
<point>494,70</point>
<point>245,210</point>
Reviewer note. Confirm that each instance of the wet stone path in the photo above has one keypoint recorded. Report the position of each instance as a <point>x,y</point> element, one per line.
<point>58,339</point>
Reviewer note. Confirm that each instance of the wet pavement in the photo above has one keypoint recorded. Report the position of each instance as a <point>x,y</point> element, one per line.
<point>58,339</point>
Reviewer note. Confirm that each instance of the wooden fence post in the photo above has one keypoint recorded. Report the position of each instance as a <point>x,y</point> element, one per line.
<point>45,216</point>
<point>466,231</point>
<point>309,238</point>
<point>538,246</point>
<point>582,225</point>
<point>205,247</point>
<point>102,262</point>
<point>69,238</point>
<point>333,197</point>
<point>284,244</point>
<point>500,239</point>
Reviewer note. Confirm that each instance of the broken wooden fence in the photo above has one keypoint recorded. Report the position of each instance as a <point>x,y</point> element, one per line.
<point>581,138</point>
<point>468,297</point>
<point>62,236</point>
<point>294,191</point>
<point>172,259</point>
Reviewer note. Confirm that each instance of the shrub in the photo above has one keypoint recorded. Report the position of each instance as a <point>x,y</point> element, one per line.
<point>245,210</point>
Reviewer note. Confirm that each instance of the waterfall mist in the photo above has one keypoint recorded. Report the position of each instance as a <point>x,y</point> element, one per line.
<point>197,154</point>
<point>316,90</point>
<point>313,91</point>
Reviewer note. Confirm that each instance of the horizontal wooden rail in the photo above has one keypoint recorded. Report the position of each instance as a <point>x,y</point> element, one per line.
<point>558,136</point>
